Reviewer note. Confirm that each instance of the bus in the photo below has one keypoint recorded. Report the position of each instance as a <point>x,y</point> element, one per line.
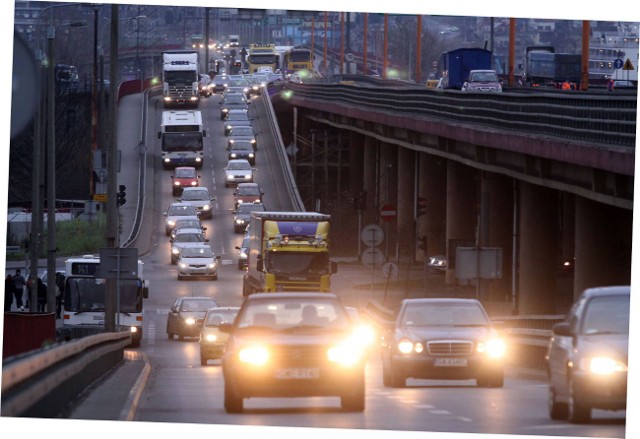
<point>297,59</point>
<point>182,137</point>
<point>262,55</point>
<point>85,295</point>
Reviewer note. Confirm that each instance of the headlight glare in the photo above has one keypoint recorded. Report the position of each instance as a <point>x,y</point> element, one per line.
<point>255,355</point>
<point>190,321</point>
<point>494,348</point>
<point>605,366</point>
<point>405,346</point>
<point>211,337</point>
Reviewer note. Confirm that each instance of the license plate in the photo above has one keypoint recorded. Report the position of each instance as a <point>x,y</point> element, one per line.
<point>450,362</point>
<point>297,374</point>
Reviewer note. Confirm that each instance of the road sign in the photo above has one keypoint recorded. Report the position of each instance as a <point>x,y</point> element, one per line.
<point>628,65</point>
<point>388,212</point>
<point>118,263</point>
<point>100,198</point>
<point>372,256</point>
<point>618,63</point>
<point>349,57</point>
<point>372,235</point>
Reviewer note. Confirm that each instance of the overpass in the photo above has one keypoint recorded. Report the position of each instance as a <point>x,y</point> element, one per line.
<point>545,177</point>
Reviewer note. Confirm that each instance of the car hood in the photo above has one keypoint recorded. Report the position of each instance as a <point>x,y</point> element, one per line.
<point>193,314</point>
<point>472,333</point>
<point>616,345</point>
<point>308,337</point>
<point>198,203</point>
<point>238,171</point>
<point>187,244</point>
<point>197,261</point>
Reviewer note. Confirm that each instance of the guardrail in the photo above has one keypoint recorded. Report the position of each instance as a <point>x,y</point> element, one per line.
<point>41,384</point>
<point>527,336</point>
<point>595,118</point>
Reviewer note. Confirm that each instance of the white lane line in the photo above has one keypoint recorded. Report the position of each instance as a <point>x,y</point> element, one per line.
<point>463,419</point>
<point>424,406</point>
<point>439,412</point>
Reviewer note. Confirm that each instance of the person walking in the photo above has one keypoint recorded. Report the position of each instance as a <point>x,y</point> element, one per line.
<point>9,292</point>
<point>59,293</point>
<point>42,295</point>
<point>18,282</point>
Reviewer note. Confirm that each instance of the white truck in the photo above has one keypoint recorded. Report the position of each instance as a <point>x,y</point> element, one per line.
<point>180,85</point>
<point>182,136</point>
<point>234,40</point>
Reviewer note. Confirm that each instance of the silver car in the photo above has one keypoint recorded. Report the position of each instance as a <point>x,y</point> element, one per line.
<point>198,262</point>
<point>199,198</point>
<point>238,171</point>
<point>186,238</point>
<point>177,211</point>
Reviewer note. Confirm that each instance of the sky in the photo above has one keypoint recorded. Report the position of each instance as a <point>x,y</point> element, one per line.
<point>547,9</point>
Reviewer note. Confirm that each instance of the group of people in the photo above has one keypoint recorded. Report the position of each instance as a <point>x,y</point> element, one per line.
<point>14,288</point>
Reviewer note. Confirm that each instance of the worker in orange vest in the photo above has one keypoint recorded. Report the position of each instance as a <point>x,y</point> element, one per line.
<point>566,85</point>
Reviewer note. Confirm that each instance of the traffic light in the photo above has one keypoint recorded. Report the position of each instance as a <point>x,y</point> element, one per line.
<point>421,206</point>
<point>122,195</point>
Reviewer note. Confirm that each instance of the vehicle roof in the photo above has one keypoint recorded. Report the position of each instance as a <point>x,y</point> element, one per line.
<point>197,298</point>
<point>440,300</point>
<point>607,291</point>
<point>180,204</point>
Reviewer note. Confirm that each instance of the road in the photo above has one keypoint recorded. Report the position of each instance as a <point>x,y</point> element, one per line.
<point>179,390</point>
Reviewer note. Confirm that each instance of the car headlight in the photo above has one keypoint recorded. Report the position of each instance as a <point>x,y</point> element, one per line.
<point>194,183</point>
<point>183,265</point>
<point>171,223</point>
<point>211,338</point>
<point>345,354</point>
<point>405,346</point>
<point>239,221</point>
<point>243,254</point>
<point>251,155</point>
<point>247,176</point>
<point>176,183</point>
<point>206,207</point>
<point>190,321</point>
<point>603,365</point>
<point>175,251</point>
<point>225,110</point>
<point>364,335</point>
<point>212,265</point>
<point>167,160</point>
<point>494,348</point>
<point>253,140</point>
<point>234,155</point>
<point>232,141</point>
<point>198,159</point>
<point>133,329</point>
<point>230,177</point>
<point>255,355</point>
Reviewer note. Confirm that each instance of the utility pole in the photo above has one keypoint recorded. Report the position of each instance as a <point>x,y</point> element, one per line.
<point>112,171</point>
<point>206,39</point>
<point>51,176</point>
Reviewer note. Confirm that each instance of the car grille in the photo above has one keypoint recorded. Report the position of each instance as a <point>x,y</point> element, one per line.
<point>450,347</point>
<point>298,355</point>
<point>197,265</point>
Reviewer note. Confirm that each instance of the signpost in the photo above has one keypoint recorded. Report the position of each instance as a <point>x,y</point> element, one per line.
<point>372,236</point>
<point>388,212</point>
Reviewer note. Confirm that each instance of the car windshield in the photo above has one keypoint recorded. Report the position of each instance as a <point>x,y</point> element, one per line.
<point>287,313</point>
<point>239,166</point>
<point>483,77</point>
<point>182,210</point>
<point>443,314</point>
<point>242,131</point>
<point>246,208</point>
<point>185,173</point>
<point>248,190</point>
<point>190,223</point>
<point>238,117</point>
<point>302,264</point>
<point>244,146</point>
<point>189,237</point>
<point>606,315</point>
<point>234,99</point>
<point>195,195</point>
<point>197,304</point>
<point>199,252</point>
<point>217,317</point>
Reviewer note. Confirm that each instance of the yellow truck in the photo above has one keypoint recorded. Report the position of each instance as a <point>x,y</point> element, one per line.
<point>288,251</point>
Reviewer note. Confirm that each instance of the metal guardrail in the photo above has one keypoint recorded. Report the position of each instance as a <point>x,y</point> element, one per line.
<point>43,383</point>
<point>596,118</point>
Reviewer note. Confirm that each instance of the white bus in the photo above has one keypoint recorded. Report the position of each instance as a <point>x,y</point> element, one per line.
<point>85,294</point>
<point>182,136</point>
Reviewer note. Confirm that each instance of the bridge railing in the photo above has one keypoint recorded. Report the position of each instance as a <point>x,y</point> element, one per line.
<point>596,118</point>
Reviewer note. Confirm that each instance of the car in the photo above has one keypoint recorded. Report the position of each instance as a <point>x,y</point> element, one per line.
<point>188,222</point>
<point>242,133</point>
<point>482,81</point>
<point>247,193</point>
<point>185,238</point>
<point>442,338</point>
<point>199,198</point>
<point>242,150</point>
<point>212,341</point>
<point>177,211</point>
<point>619,83</point>
<point>243,253</point>
<point>186,316</point>
<point>232,102</point>
<point>184,176</point>
<point>198,262</point>
<point>436,264</point>
<point>587,356</point>
<point>205,86</point>
<point>236,118</point>
<point>242,215</point>
<point>220,83</point>
<point>237,171</point>
<point>295,344</point>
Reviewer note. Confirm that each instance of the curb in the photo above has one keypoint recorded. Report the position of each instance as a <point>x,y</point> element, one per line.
<point>129,410</point>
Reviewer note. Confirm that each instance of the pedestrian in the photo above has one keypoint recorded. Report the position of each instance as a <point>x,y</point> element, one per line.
<point>566,85</point>
<point>59,293</point>
<point>18,282</point>
<point>42,295</point>
<point>9,288</point>
<point>610,85</point>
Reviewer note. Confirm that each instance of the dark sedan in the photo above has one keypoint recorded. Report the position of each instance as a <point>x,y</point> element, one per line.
<point>242,150</point>
<point>242,215</point>
<point>588,355</point>
<point>450,339</point>
<point>292,345</point>
<point>186,316</point>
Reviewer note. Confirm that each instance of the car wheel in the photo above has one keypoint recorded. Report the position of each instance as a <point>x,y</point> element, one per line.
<point>354,401</point>
<point>482,381</point>
<point>180,277</point>
<point>215,277</point>
<point>557,410</point>
<point>386,374</point>
<point>496,379</point>
<point>577,412</point>
<point>396,378</point>
<point>232,403</point>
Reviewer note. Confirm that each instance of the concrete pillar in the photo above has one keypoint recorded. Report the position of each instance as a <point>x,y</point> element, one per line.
<point>603,245</point>
<point>356,160</point>
<point>462,211</point>
<point>496,230</point>
<point>538,249</point>
<point>387,184</point>
<point>406,196</point>
<point>432,185</point>
<point>369,178</point>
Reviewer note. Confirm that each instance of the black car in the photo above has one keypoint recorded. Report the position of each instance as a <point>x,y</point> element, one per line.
<point>243,253</point>
<point>292,345</point>
<point>186,316</point>
<point>236,118</point>
<point>239,133</point>
<point>442,339</point>
<point>242,150</point>
<point>242,215</point>
<point>588,355</point>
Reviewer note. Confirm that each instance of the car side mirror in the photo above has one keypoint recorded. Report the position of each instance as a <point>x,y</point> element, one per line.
<point>218,257</point>
<point>562,329</point>
<point>206,240</point>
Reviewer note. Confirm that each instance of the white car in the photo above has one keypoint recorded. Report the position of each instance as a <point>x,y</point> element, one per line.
<point>199,198</point>
<point>198,262</point>
<point>176,211</point>
<point>483,81</point>
<point>238,171</point>
<point>186,238</point>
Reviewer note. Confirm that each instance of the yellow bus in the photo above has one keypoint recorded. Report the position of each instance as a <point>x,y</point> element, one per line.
<point>262,55</point>
<point>297,59</point>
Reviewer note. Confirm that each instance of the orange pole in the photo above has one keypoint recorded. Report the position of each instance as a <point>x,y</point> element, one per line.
<point>325,40</point>
<point>419,49</point>
<point>512,51</point>
<point>364,44</point>
<point>584,77</point>
<point>385,48</point>
<point>342,43</point>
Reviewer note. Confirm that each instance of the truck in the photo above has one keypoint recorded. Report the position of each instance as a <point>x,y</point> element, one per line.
<point>262,55</point>
<point>288,251</point>
<point>182,136</point>
<point>543,66</point>
<point>458,63</point>
<point>180,85</point>
<point>234,40</point>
